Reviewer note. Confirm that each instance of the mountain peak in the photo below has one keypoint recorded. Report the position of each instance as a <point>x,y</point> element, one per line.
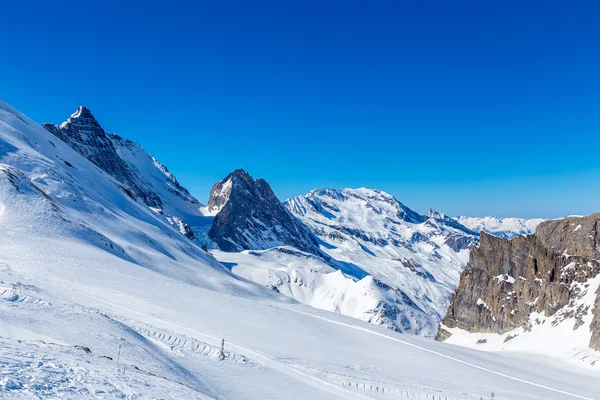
<point>248,215</point>
<point>82,112</point>
<point>239,174</point>
<point>83,117</point>
<point>435,214</point>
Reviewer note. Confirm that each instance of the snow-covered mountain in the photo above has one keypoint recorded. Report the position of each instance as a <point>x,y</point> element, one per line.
<point>312,280</point>
<point>101,296</point>
<point>501,227</point>
<point>418,258</point>
<point>135,171</point>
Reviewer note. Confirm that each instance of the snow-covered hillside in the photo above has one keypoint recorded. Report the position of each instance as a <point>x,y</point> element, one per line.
<point>311,280</point>
<point>419,258</point>
<point>138,174</point>
<point>502,227</point>
<point>102,297</point>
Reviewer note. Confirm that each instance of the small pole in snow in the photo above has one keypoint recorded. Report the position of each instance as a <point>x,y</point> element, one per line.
<point>118,356</point>
<point>222,352</point>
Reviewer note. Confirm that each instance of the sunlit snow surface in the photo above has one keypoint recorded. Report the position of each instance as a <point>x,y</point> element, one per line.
<point>99,272</point>
<point>374,234</point>
<point>502,227</point>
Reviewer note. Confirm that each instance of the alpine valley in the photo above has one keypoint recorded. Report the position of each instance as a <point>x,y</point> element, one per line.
<point>116,282</point>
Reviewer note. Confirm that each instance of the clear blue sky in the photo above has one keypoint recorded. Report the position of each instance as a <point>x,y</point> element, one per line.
<point>477,108</point>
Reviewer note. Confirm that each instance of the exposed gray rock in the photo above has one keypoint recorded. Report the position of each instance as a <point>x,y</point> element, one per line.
<point>250,217</point>
<point>506,280</point>
<point>595,326</point>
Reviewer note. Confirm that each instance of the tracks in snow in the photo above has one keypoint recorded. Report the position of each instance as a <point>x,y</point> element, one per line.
<point>254,356</point>
<point>438,354</point>
<point>17,297</point>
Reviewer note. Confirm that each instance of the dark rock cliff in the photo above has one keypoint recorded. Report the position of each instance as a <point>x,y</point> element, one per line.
<point>250,217</point>
<point>506,280</point>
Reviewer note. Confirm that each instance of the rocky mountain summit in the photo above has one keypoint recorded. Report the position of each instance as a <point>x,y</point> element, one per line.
<point>248,216</point>
<point>136,172</point>
<point>550,277</point>
<point>85,135</point>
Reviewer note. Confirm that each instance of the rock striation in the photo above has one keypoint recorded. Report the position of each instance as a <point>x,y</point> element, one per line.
<point>506,280</point>
<point>250,217</point>
<point>85,135</point>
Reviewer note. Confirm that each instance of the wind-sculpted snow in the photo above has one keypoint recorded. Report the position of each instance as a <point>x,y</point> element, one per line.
<point>417,258</point>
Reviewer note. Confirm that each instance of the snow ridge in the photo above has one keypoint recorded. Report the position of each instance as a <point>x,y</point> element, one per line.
<point>417,259</point>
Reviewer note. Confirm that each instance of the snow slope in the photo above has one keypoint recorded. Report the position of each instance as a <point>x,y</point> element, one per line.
<point>418,257</point>
<point>107,284</point>
<point>311,280</point>
<point>560,336</point>
<point>139,174</point>
<point>502,227</point>
<point>169,332</point>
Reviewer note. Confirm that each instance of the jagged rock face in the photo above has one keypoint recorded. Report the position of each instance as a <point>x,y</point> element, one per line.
<point>506,280</point>
<point>595,325</point>
<point>85,135</point>
<point>250,217</point>
<point>419,257</point>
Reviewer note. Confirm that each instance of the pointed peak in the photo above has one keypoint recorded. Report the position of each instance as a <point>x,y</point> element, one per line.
<point>435,214</point>
<point>83,117</point>
<point>82,112</point>
<point>239,173</point>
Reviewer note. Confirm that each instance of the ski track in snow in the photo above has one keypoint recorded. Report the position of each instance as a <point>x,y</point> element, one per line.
<point>257,356</point>
<point>322,384</point>
<point>443,355</point>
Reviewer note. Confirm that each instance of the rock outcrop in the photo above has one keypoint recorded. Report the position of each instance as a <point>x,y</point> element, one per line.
<point>506,280</point>
<point>250,217</point>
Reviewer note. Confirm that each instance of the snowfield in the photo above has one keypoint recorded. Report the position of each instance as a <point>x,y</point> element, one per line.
<point>170,332</point>
<point>102,297</point>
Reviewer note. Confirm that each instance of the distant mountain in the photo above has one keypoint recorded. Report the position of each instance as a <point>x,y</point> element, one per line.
<point>418,257</point>
<point>501,227</point>
<point>248,216</point>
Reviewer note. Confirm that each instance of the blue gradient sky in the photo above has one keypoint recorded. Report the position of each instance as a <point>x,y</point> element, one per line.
<point>473,108</point>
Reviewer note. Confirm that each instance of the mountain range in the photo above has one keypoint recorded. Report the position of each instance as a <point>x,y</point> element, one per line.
<point>112,228</point>
<point>404,265</point>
